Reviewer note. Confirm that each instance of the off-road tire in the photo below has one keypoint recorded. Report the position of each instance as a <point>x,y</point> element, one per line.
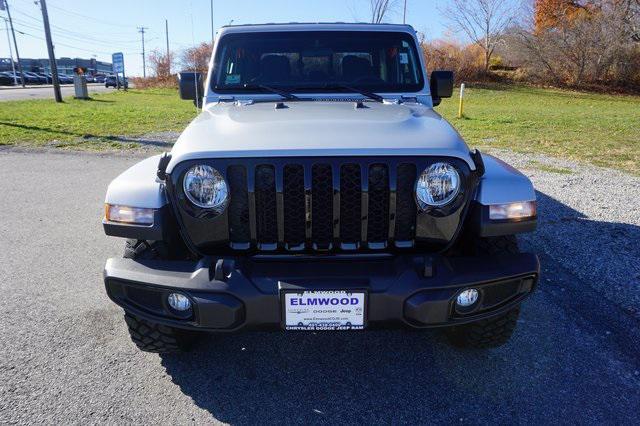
<point>496,331</point>
<point>145,250</point>
<point>487,333</point>
<point>157,338</point>
<point>149,336</point>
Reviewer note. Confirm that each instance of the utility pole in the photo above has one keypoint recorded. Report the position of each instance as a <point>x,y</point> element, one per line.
<point>144,62</point>
<point>13,65</point>
<point>404,13</point>
<point>166,31</point>
<point>213,34</point>
<point>15,43</point>
<point>52,56</point>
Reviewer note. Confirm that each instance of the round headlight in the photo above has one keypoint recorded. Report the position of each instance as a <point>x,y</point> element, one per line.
<point>437,186</point>
<point>205,187</point>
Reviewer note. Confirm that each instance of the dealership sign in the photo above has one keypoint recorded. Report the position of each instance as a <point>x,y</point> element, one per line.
<point>117,60</point>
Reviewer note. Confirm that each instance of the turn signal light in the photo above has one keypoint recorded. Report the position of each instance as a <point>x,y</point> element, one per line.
<point>126,214</point>
<point>512,211</point>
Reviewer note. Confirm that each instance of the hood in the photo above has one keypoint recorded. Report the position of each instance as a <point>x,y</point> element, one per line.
<point>317,128</point>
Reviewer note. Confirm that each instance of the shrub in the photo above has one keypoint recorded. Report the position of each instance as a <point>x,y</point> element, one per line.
<point>168,82</point>
<point>466,61</point>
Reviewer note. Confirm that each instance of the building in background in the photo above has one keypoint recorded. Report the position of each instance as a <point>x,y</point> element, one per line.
<point>65,65</point>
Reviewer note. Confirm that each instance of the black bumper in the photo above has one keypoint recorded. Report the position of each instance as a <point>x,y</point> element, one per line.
<point>237,293</point>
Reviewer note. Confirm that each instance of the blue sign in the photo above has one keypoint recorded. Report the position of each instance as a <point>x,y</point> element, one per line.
<point>117,60</point>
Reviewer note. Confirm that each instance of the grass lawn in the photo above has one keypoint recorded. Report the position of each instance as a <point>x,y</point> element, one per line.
<point>93,124</point>
<point>601,129</point>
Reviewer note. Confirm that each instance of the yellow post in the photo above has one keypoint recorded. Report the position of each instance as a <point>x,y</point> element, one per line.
<point>461,107</point>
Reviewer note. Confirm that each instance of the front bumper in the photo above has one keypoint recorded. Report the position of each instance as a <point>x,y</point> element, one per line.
<point>230,293</point>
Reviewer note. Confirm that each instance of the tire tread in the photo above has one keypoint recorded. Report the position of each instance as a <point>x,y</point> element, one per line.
<point>156,338</point>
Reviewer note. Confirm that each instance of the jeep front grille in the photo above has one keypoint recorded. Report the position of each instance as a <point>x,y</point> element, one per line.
<point>321,206</point>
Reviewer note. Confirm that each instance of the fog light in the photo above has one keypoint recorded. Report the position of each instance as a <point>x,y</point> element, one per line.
<point>467,297</point>
<point>179,302</point>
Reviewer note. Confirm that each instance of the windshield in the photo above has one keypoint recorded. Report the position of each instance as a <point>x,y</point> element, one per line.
<point>317,61</point>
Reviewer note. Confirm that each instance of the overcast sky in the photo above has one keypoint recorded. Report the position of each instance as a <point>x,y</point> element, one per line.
<point>87,28</point>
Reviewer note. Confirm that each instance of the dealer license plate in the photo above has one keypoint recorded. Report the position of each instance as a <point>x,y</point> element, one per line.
<point>324,310</point>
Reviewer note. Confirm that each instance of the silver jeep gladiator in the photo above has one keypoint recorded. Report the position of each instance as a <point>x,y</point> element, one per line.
<point>318,189</point>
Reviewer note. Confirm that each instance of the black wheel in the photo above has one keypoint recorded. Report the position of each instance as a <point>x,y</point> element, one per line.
<point>491,332</point>
<point>157,338</point>
<point>487,333</point>
<point>147,250</point>
<point>149,336</point>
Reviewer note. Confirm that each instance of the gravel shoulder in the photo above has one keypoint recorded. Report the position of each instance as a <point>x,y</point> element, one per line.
<point>65,356</point>
<point>589,221</point>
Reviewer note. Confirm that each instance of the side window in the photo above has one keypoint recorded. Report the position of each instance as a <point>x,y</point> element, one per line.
<point>407,65</point>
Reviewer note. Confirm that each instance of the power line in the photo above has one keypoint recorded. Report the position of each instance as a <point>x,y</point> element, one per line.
<point>61,9</point>
<point>83,36</point>
<point>61,33</point>
<point>103,52</point>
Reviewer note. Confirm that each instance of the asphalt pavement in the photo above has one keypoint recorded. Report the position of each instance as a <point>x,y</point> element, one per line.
<point>10,93</point>
<point>65,356</point>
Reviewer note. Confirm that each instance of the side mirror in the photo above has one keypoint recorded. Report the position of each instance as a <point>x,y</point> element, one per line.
<point>441,86</point>
<point>191,87</point>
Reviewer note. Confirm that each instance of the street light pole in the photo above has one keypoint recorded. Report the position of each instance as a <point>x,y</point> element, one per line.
<point>52,56</point>
<point>166,31</point>
<point>213,35</point>
<point>404,13</point>
<point>13,65</point>
<point>15,43</point>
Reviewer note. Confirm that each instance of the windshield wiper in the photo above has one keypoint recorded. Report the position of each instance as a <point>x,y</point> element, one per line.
<point>364,93</point>
<point>285,95</point>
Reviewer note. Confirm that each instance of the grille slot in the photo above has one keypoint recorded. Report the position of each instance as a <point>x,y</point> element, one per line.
<point>294,209</point>
<point>301,205</point>
<point>405,203</point>
<point>266,214</point>
<point>350,203</point>
<point>321,206</point>
<point>378,227</point>
<point>239,228</point>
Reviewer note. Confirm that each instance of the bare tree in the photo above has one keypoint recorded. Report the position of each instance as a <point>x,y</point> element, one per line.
<point>160,63</point>
<point>483,21</point>
<point>197,58</point>
<point>379,8</point>
<point>599,45</point>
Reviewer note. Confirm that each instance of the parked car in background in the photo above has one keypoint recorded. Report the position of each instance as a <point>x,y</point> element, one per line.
<point>6,79</point>
<point>90,78</point>
<point>28,79</point>
<point>47,77</point>
<point>65,79</point>
<point>99,78</point>
<point>110,81</point>
<point>37,79</point>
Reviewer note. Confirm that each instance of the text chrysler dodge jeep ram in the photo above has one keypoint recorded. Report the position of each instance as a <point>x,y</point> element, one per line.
<point>318,190</point>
